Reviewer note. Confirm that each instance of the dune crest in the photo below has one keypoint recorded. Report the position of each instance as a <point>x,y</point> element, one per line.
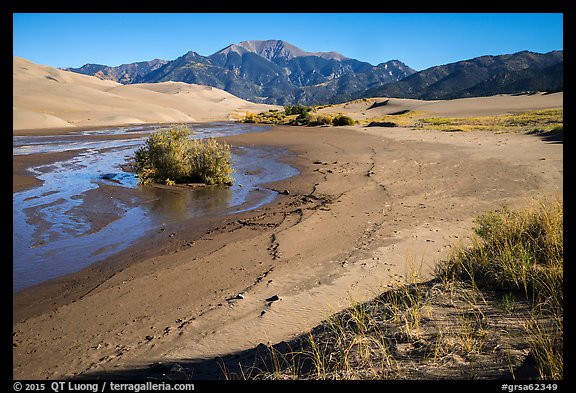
<point>371,108</point>
<point>46,97</point>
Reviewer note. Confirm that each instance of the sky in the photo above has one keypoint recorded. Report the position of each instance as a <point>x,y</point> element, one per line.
<point>419,40</point>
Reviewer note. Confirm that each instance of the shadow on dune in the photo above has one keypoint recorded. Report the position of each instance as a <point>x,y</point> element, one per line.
<point>247,364</point>
<point>377,104</point>
<point>554,136</point>
<point>235,366</point>
<point>298,358</point>
<point>292,360</point>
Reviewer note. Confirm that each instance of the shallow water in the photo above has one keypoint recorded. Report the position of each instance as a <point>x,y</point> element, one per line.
<point>55,228</point>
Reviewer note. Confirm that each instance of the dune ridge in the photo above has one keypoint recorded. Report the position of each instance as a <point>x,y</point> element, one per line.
<point>45,97</point>
<point>368,108</point>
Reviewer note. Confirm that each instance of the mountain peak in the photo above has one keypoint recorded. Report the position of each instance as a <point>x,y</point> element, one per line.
<point>276,49</point>
<point>270,71</point>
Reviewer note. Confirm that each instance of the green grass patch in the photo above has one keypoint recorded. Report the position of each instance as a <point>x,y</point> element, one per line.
<point>520,252</point>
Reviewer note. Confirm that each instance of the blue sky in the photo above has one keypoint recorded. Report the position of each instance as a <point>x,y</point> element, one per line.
<point>419,40</point>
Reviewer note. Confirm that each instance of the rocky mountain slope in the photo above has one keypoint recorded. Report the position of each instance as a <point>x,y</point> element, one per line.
<point>277,72</point>
<point>480,76</point>
<point>272,72</point>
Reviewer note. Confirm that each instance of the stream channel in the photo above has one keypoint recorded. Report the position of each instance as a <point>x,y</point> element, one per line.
<point>88,208</point>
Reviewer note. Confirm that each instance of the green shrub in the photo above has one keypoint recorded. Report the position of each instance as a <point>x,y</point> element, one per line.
<point>170,156</point>
<point>522,253</point>
<point>342,120</point>
<point>320,121</point>
<point>296,110</point>
<point>303,119</point>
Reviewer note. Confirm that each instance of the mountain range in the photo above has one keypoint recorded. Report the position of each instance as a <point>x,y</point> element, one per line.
<point>125,73</point>
<point>272,72</point>
<point>277,72</point>
<point>481,76</point>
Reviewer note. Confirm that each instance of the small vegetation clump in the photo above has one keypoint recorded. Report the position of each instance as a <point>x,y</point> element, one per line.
<point>520,252</point>
<point>296,110</point>
<point>493,308</point>
<point>273,116</point>
<point>342,120</point>
<point>170,156</point>
<point>297,115</point>
<point>320,121</point>
<point>303,119</point>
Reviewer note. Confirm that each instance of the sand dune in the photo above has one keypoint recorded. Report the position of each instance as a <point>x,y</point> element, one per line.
<point>29,119</point>
<point>45,97</point>
<point>476,106</point>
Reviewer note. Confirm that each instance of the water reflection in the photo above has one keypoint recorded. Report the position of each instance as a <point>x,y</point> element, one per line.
<point>174,205</point>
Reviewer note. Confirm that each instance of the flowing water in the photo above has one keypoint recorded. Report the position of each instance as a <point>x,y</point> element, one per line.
<point>88,208</point>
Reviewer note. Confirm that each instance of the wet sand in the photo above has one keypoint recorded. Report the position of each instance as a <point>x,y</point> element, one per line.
<point>89,209</point>
<point>368,201</point>
<point>21,178</point>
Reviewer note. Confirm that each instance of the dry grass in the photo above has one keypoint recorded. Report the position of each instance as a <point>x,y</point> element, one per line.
<point>403,119</point>
<point>492,308</point>
<point>530,121</point>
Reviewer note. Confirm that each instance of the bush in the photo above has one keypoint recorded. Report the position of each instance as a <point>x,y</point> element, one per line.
<point>170,156</point>
<point>302,120</point>
<point>320,121</point>
<point>296,110</point>
<point>342,120</point>
<point>249,118</point>
<point>382,124</point>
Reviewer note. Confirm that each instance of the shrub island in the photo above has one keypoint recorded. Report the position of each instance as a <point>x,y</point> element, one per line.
<point>172,157</point>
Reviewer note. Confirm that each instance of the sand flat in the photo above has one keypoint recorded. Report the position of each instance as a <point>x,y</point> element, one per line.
<point>367,201</point>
